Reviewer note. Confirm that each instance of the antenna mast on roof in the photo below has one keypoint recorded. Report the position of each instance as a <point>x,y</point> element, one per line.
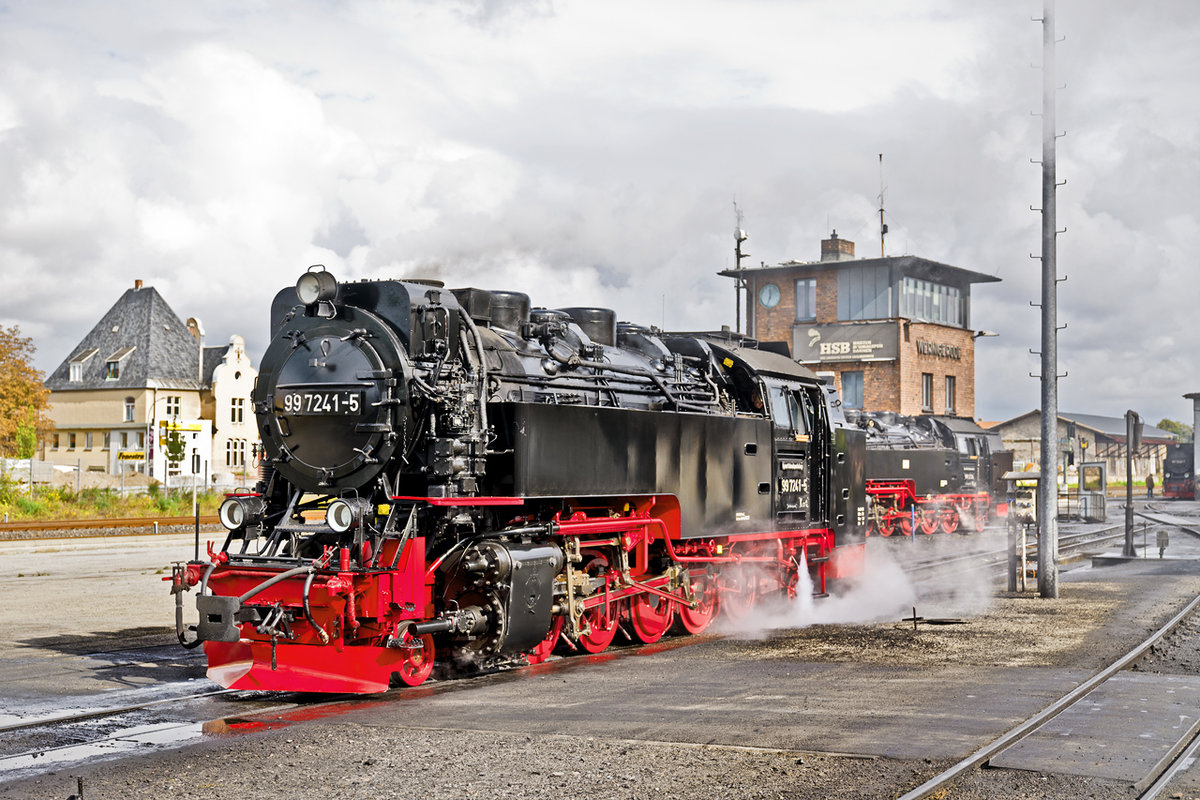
<point>882,225</point>
<point>739,281</point>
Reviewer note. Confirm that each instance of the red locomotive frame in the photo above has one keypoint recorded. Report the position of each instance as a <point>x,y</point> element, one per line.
<point>350,627</point>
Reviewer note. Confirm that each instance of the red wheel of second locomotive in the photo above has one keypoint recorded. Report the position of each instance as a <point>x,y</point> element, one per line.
<point>948,520</point>
<point>704,591</point>
<point>418,662</point>
<point>650,615</point>
<point>927,521</point>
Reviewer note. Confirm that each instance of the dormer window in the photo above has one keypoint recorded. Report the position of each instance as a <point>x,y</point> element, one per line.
<point>112,367</point>
<point>77,364</point>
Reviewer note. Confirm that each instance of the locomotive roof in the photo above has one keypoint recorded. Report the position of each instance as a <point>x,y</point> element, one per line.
<point>764,361</point>
<point>961,424</point>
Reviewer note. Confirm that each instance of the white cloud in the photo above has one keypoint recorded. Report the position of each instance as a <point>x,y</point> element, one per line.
<point>590,152</point>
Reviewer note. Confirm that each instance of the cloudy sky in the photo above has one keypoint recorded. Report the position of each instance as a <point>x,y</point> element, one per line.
<point>590,152</point>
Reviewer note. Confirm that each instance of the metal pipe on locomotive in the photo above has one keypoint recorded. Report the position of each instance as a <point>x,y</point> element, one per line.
<point>451,476</point>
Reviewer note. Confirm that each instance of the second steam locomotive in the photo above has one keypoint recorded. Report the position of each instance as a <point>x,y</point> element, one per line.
<point>453,477</point>
<point>932,474</point>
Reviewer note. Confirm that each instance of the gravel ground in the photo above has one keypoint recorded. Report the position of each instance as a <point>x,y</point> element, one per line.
<point>1099,616</point>
<point>344,758</point>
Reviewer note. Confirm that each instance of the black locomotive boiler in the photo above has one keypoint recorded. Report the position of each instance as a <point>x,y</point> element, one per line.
<point>930,473</point>
<point>454,477</point>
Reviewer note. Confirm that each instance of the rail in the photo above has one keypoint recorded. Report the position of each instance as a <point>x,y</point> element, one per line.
<point>939,783</point>
<point>100,523</point>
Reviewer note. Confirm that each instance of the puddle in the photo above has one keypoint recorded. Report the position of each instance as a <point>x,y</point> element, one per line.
<point>168,734</point>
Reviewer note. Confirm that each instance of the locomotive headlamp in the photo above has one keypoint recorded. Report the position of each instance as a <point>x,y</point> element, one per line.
<point>344,513</point>
<point>315,287</point>
<point>240,511</point>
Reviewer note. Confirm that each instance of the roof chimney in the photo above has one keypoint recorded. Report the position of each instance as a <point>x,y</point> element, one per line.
<point>137,284</point>
<point>835,249</point>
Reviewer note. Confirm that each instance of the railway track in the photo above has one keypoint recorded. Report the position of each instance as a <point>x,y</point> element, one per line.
<point>993,558</point>
<point>100,526</point>
<point>1177,757</point>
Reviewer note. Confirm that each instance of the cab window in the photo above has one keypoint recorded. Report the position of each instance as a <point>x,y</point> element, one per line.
<point>786,410</point>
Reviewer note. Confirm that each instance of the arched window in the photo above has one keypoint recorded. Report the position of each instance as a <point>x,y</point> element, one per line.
<point>129,403</point>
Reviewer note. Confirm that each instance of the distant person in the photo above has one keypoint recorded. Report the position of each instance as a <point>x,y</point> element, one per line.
<point>1150,486</point>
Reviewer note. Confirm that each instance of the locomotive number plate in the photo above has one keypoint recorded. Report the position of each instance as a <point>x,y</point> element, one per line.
<point>311,403</point>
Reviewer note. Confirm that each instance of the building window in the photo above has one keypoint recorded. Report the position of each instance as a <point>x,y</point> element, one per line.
<point>949,394</point>
<point>141,440</point>
<point>864,293</point>
<point>806,300</point>
<point>235,453</point>
<point>107,440</point>
<point>70,441</point>
<point>173,406</point>
<point>237,410</point>
<point>87,441</point>
<point>77,364</point>
<point>934,302</point>
<point>112,366</point>
<point>124,439</point>
<point>56,442</point>
<point>129,403</point>
<point>852,389</point>
<point>927,391</point>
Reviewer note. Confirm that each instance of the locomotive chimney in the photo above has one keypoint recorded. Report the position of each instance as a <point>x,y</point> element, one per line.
<point>835,249</point>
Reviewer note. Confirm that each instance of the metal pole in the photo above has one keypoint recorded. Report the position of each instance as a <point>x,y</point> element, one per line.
<point>1013,559</point>
<point>1048,483</point>
<point>1129,552</point>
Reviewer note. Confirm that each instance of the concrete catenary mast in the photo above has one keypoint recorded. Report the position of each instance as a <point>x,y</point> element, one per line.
<point>1048,479</point>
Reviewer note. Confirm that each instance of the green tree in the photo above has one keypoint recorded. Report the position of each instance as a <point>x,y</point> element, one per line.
<point>26,439</point>
<point>174,448</point>
<point>1184,432</point>
<point>24,398</point>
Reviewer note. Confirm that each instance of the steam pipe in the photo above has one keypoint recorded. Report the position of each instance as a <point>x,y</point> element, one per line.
<point>179,629</point>
<point>480,370</point>
<point>283,576</point>
<point>308,610</point>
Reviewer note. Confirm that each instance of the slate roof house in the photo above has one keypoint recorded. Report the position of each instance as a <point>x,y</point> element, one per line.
<point>141,375</point>
<point>1086,437</point>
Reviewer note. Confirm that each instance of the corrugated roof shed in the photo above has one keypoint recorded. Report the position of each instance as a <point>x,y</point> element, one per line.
<point>152,345</point>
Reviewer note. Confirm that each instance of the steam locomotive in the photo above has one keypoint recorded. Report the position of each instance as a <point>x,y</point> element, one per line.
<point>453,477</point>
<point>930,473</point>
<point>1179,474</point>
